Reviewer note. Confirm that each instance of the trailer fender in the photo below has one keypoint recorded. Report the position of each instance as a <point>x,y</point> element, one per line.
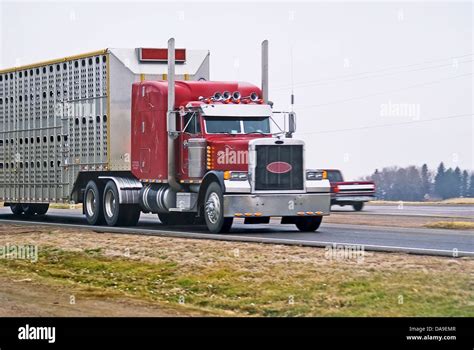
<point>128,188</point>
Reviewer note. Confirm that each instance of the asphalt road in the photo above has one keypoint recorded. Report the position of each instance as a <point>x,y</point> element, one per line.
<point>452,243</point>
<point>413,210</point>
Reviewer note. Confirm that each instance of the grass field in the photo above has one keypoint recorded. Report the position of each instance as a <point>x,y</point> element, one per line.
<point>226,278</point>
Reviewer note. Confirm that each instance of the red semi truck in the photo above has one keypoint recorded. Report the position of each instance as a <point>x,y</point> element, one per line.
<point>125,131</point>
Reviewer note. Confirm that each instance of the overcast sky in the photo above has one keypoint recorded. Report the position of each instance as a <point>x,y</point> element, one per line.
<point>376,84</point>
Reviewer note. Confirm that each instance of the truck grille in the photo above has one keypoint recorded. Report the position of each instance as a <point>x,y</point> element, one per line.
<point>279,167</point>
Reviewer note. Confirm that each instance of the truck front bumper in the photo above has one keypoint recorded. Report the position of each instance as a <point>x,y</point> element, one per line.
<point>237,205</point>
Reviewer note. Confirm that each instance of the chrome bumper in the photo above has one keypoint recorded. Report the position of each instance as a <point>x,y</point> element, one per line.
<point>353,198</point>
<point>276,204</point>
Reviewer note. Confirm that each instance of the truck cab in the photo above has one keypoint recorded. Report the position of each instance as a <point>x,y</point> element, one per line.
<point>232,160</point>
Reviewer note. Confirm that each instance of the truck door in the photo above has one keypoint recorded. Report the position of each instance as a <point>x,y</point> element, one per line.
<point>191,129</point>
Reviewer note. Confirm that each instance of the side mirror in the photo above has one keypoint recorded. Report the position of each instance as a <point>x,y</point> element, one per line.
<point>291,124</point>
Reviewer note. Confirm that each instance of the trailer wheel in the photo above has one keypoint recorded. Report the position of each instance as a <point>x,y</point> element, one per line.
<point>358,206</point>
<point>41,209</point>
<point>28,209</point>
<point>214,210</point>
<point>93,203</point>
<point>17,209</point>
<point>117,214</point>
<point>308,224</point>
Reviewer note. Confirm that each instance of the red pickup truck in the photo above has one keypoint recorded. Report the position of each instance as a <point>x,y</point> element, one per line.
<point>354,193</point>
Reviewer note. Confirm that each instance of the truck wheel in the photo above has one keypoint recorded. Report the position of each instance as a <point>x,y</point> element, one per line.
<point>214,210</point>
<point>93,204</point>
<point>111,204</point>
<point>41,209</point>
<point>16,209</point>
<point>131,214</point>
<point>117,214</point>
<point>358,206</point>
<point>308,224</point>
<point>28,209</point>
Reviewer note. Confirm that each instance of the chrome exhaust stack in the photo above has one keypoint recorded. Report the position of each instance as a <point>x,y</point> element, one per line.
<point>265,71</point>
<point>171,117</point>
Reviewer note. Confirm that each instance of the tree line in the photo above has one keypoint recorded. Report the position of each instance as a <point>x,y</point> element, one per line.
<point>414,183</point>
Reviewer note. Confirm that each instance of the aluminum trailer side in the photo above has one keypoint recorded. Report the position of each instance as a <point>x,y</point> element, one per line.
<point>66,120</point>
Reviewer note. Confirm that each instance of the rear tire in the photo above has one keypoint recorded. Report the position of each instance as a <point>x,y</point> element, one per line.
<point>41,209</point>
<point>117,214</point>
<point>17,209</point>
<point>28,209</point>
<point>308,224</point>
<point>132,214</point>
<point>93,203</point>
<point>214,210</point>
<point>358,206</point>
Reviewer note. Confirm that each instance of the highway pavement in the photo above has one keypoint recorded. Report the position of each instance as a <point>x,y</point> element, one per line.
<point>450,243</point>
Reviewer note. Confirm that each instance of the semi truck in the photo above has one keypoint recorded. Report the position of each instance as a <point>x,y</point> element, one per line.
<point>126,131</point>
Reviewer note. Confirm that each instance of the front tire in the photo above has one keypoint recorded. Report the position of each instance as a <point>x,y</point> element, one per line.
<point>214,210</point>
<point>308,224</point>
<point>93,203</point>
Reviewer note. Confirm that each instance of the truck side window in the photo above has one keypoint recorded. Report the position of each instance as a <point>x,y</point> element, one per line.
<point>191,122</point>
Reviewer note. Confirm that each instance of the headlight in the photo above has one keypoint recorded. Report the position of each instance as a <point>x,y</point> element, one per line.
<point>314,175</point>
<point>235,175</point>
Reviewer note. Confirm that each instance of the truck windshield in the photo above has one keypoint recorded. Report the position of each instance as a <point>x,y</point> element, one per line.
<point>237,125</point>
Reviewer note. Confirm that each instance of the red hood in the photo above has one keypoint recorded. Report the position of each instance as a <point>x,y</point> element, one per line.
<point>230,152</point>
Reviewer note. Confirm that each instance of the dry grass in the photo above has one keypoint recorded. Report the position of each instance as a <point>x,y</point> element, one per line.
<point>458,201</point>
<point>453,225</point>
<point>451,201</point>
<point>367,219</point>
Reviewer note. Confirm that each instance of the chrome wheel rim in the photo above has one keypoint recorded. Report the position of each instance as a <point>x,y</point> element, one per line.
<point>110,204</point>
<point>213,208</point>
<point>91,203</point>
